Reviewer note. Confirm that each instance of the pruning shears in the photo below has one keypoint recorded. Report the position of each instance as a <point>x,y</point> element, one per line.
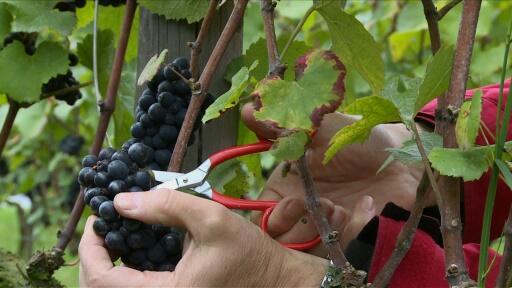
<point>196,181</point>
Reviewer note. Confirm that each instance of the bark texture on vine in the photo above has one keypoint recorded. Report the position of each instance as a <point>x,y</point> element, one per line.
<point>106,108</point>
<point>451,226</point>
<point>14,107</point>
<point>196,46</point>
<point>201,87</point>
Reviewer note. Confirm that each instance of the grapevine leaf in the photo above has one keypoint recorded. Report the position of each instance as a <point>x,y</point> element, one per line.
<point>402,92</point>
<point>409,154</point>
<point>230,178</point>
<point>437,76</point>
<point>123,114</point>
<point>374,110</point>
<point>22,75</point>
<point>30,122</point>
<point>5,22</point>
<point>105,55</point>
<point>35,16</point>
<point>239,83</point>
<point>152,67</point>
<point>505,171</point>
<point>258,52</point>
<point>191,10</point>
<point>291,147</point>
<point>469,164</point>
<point>313,90</point>
<point>468,122</point>
<point>353,43</point>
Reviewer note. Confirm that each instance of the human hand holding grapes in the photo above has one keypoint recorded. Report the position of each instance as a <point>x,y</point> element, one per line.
<point>221,248</point>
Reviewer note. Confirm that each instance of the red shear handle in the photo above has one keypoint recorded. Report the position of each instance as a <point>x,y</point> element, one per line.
<point>233,152</point>
<point>267,207</point>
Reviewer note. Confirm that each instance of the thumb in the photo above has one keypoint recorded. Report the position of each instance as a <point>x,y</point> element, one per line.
<point>363,212</point>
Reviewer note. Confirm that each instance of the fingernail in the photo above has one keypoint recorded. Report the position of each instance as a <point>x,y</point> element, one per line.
<point>128,201</point>
<point>367,203</point>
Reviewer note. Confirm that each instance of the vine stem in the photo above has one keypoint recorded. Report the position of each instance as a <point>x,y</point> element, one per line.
<point>275,66</point>
<point>201,87</point>
<point>14,107</point>
<point>107,108</point>
<point>196,46</point>
<point>405,237</point>
<point>430,11</point>
<point>505,274</point>
<point>296,31</point>
<point>66,90</point>
<point>451,226</point>
<point>446,8</point>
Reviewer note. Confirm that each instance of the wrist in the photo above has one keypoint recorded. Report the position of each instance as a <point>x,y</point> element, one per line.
<point>302,270</point>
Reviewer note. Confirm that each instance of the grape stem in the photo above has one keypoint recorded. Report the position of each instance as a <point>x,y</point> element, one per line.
<point>14,107</point>
<point>107,108</point>
<point>66,90</point>
<point>196,46</point>
<point>296,31</point>
<point>200,89</point>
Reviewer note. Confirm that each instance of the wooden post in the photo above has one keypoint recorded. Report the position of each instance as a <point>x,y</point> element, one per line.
<point>156,34</point>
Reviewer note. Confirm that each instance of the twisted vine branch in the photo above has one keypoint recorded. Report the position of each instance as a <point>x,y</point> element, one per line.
<point>202,85</point>
<point>107,108</point>
<point>196,46</point>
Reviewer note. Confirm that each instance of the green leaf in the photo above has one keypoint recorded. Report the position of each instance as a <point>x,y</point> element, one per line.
<point>5,22</point>
<point>22,75</point>
<point>437,77</point>
<point>291,147</point>
<point>505,171</point>
<point>402,92</point>
<point>30,122</point>
<point>36,16</point>
<point>409,153</point>
<point>375,110</point>
<point>123,114</point>
<point>239,83</point>
<point>469,164</point>
<point>313,90</point>
<point>257,51</point>
<point>152,67</point>
<point>230,178</point>
<point>404,42</point>
<point>191,10</point>
<point>353,43</point>
<point>105,54</point>
<point>468,122</point>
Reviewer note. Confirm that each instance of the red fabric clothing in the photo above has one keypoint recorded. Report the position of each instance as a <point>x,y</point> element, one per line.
<point>430,272</point>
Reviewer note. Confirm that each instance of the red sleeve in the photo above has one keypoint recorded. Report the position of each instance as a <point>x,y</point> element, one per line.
<point>476,191</point>
<point>423,266</point>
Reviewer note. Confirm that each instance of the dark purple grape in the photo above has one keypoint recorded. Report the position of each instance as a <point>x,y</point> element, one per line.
<point>115,242</point>
<point>180,117</point>
<point>96,202</point>
<point>145,101</point>
<point>101,179</point>
<point>138,153</point>
<point>115,187</point>
<point>156,254</point>
<point>146,121</point>
<point>135,189</point>
<point>153,84</point>
<point>157,112</point>
<point>138,130</point>
<point>182,87</point>
<point>90,193</point>
<point>101,227</point>
<point>135,240</point>
<point>108,212</point>
<point>162,157</point>
<point>182,63</point>
<point>186,73</point>
<point>89,161</point>
<point>86,176</point>
<point>131,224</point>
<point>168,133</point>
<point>165,86</point>
<point>143,179</point>
<point>123,157</point>
<point>159,143</point>
<point>170,74</point>
<point>166,99</point>
<point>117,169</point>
<point>170,119</point>
<point>106,153</point>
<point>171,244</point>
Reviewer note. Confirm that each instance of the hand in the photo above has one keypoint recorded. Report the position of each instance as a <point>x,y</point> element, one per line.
<point>345,182</point>
<point>222,249</point>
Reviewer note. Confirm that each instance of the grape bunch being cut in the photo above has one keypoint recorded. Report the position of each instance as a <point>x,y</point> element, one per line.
<point>140,246</point>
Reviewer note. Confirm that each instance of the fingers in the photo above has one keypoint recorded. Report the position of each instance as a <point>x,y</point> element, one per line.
<point>338,221</point>
<point>94,258</point>
<point>363,212</point>
<point>263,129</point>
<point>170,208</point>
<point>285,215</point>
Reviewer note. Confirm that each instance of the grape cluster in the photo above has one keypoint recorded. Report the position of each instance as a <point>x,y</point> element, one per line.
<point>71,144</point>
<point>61,81</point>
<point>69,5</point>
<point>140,246</point>
<point>161,110</point>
